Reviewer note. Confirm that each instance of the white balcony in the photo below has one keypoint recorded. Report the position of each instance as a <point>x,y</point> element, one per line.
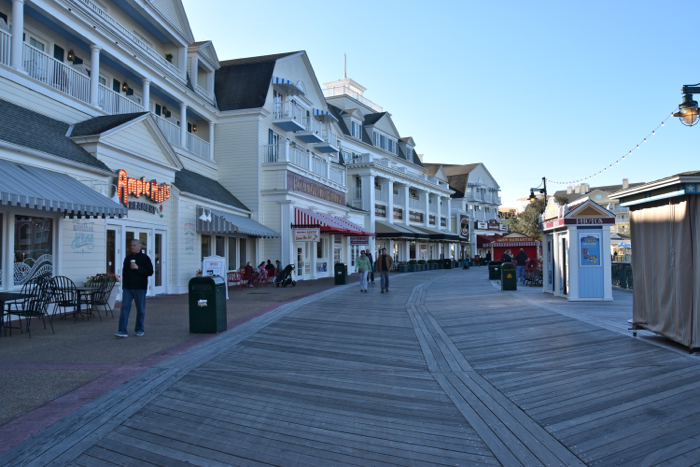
<point>5,47</point>
<point>330,142</point>
<point>46,69</point>
<point>416,204</point>
<point>271,153</point>
<point>313,132</point>
<point>169,129</point>
<point>114,103</point>
<point>346,91</point>
<point>288,116</point>
<point>381,195</point>
<point>338,176</point>
<point>319,166</point>
<point>312,163</point>
<point>357,193</point>
<point>197,145</point>
<point>397,200</point>
<point>121,30</point>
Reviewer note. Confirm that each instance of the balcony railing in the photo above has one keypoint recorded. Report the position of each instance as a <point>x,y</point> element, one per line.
<point>398,200</point>
<point>357,193</point>
<point>5,46</point>
<point>197,145</point>
<point>381,195</point>
<point>338,176</point>
<point>48,70</point>
<point>416,204</point>
<point>312,125</point>
<point>300,158</point>
<point>288,116</point>
<point>346,91</point>
<point>114,103</point>
<point>169,129</point>
<point>271,153</point>
<point>121,29</point>
<point>319,166</point>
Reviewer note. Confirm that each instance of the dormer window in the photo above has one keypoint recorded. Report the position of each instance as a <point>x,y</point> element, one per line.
<point>409,153</point>
<point>357,129</point>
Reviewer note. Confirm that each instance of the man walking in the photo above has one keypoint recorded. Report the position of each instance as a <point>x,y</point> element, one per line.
<point>135,272</point>
<point>521,261</point>
<point>370,277</point>
<point>383,265</point>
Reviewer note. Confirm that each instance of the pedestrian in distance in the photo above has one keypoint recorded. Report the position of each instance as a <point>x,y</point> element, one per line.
<point>487,258</point>
<point>383,265</point>
<point>521,262</point>
<point>370,277</point>
<point>363,266</point>
<point>506,258</point>
<point>136,270</point>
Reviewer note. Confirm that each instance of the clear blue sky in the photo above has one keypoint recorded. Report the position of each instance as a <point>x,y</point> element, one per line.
<point>532,89</point>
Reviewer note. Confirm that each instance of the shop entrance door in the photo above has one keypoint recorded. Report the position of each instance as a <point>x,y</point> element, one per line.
<point>564,264</point>
<point>300,263</point>
<point>113,263</point>
<point>159,269</point>
<point>142,236</point>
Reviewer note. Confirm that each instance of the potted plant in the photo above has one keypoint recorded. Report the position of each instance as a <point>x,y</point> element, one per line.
<point>403,267</point>
<point>421,265</point>
<point>412,265</point>
<point>169,57</point>
<point>198,273</point>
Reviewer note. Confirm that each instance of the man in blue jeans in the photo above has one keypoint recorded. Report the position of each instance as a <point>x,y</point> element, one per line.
<point>521,261</point>
<point>135,272</point>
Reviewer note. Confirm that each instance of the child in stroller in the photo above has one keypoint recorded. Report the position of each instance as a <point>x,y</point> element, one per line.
<point>284,277</point>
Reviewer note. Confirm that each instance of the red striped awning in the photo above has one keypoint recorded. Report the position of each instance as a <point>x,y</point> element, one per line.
<point>327,223</point>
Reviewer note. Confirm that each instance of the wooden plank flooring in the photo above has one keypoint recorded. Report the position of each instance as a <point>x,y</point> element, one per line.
<point>443,370</point>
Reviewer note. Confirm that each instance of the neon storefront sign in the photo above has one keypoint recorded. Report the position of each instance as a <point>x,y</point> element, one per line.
<point>129,186</point>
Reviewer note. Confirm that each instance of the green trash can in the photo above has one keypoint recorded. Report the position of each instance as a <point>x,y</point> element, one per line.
<point>509,278</point>
<point>494,270</point>
<point>207,297</point>
<point>340,271</point>
<point>447,264</point>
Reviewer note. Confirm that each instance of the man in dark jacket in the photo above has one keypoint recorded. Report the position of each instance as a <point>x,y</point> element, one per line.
<point>521,262</point>
<point>135,272</point>
<point>383,265</point>
<point>371,263</point>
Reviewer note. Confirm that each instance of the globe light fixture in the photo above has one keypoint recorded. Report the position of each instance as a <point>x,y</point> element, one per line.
<point>688,112</point>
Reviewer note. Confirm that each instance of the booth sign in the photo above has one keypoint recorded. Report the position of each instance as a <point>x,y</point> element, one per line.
<point>307,235</point>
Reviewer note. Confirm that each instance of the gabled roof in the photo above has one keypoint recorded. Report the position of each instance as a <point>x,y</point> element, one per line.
<point>243,83</point>
<point>174,12</point>
<point>371,119</point>
<point>571,197</point>
<point>207,51</point>
<point>199,185</point>
<point>97,125</point>
<point>457,175</point>
<point>337,113</point>
<point>26,128</point>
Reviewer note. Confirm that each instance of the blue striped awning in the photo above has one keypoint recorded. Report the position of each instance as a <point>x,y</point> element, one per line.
<point>287,86</point>
<point>224,223</point>
<point>31,187</point>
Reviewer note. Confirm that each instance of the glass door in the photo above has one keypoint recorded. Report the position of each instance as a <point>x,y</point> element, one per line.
<point>159,270</point>
<point>300,262</point>
<point>142,236</point>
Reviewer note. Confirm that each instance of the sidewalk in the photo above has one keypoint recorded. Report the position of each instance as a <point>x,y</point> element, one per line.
<point>48,376</point>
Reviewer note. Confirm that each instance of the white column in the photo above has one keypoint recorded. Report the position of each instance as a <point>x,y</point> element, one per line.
<point>449,215</point>
<point>182,61</point>
<point>146,94</point>
<point>407,251</point>
<point>406,201</point>
<point>390,204</point>
<point>211,140</point>
<point>438,216</point>
<point>368,197</point>
<point>94,74</point>
<point>183,125</point>
<point>193,71</point>
<point>17,33</point>
<point>426,219</point>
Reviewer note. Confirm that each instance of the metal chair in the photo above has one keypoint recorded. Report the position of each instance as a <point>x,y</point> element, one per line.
<point>101,296</point>
<point>63,294</point>
<point>34,306</point>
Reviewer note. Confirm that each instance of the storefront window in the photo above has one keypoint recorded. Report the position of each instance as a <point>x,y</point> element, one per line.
<point>319,249</point>
<point>33,248</point>
<point>242,253</point>
<point>220,246</point>
<point>206,246</point>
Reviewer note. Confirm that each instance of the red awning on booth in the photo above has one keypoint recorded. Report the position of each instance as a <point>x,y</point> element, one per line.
<point>327,222</point>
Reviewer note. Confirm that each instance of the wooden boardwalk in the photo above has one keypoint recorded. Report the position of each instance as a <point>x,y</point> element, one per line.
<point>443,370</point>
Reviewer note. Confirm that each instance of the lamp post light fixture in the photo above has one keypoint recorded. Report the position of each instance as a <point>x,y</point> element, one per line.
<point>543,190</point>
<point>688,111</point>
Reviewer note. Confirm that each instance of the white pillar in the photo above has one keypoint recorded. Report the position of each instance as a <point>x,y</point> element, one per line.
<point>95,74</point>
<point>17,33</point>
<point>183,125</point>
<point>390,204</point>
<point>406,201</point>
<point>438,216</point>
<point>182,61</point>
<point>408,250</point>
<point>368,198</point>
<point>426,219</point>
<point>448,216</point>
<point>211,140</point>
<point>146,94</point>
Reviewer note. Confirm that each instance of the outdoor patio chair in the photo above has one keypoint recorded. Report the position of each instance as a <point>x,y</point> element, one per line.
<point>63,294</point>
<point>234,279</point>
<point>101,296</point>
<point>32,307</point>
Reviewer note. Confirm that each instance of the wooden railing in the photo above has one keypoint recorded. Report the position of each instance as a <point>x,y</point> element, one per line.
<point>5,47</point>
<point>169,129</point>
<point>114,103</point>
<point>197,145</point>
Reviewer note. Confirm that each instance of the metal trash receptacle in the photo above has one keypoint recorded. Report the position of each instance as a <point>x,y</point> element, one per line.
<point>340,272</point>
<point>447,264</point>
<point>494,270</point>
<point>207,299</point>
<point>509,278</point>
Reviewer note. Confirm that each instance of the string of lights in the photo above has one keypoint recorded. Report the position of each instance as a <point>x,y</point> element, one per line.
<point>617,161</point>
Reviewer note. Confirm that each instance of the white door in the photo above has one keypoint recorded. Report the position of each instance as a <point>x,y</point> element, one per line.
<point>301,260</point>
<point>158,259</point>
<point>144,237</point>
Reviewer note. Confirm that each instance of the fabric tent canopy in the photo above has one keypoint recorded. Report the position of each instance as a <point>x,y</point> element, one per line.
<point>327,223</point>
<point>226,223</point>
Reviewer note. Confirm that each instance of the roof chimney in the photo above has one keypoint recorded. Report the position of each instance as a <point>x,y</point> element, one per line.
<point>584,188</point>
<point>569,190</point>
<point>625,183</point>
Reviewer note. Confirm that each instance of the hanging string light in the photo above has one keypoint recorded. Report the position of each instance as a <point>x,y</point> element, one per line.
<point>617,161</point>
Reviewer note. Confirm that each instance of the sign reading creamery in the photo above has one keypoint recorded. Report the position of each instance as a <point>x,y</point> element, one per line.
<point>132,186</point>
<point>307,186</point>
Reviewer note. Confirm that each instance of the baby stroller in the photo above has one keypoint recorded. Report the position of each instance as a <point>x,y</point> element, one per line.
<point>284,277</point>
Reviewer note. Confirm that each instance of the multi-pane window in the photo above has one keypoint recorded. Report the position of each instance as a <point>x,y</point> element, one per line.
<point>376,139</point>
<point>357,129</point>
<point>382,141</point>
<point>33,249</point>
<point>409,154</point>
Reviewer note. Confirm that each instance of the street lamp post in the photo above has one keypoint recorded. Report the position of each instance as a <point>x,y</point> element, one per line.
<point>688,111</point>
<point>542,190</point>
